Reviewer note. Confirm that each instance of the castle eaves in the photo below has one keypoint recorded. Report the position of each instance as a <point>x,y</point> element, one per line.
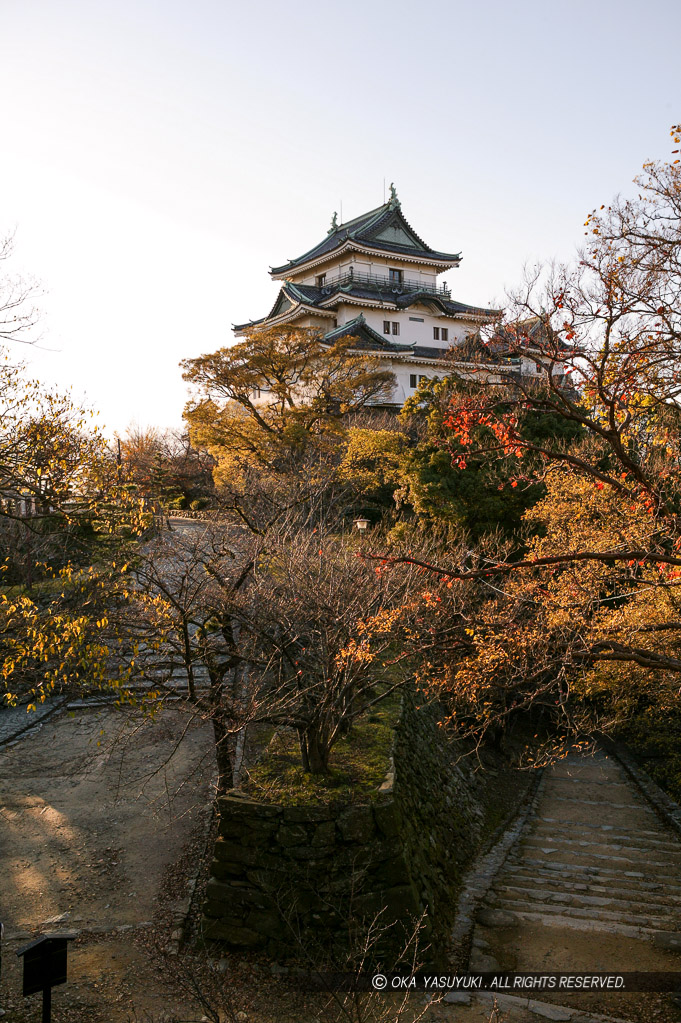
<point>384,230</point>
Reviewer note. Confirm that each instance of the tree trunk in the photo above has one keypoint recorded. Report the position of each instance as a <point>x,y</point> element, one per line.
<point>188,661</point>
<point>29,556</point>
<point>222,756</point>
<point>317,754</point>
<point>302,739</point>
<point>240,747</point>
<point>240,678</point>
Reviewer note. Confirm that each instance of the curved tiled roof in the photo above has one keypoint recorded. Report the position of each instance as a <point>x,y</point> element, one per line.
<point>367,336</point>
<point>332,294</point>
<point>288,298</point>
<point>370,230</point>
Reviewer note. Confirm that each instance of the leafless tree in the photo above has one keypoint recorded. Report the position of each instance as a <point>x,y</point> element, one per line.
<point>18,311</point>
<point>266,626</point>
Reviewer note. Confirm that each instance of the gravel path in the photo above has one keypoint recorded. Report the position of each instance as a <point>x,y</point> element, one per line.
<point>96,808</point>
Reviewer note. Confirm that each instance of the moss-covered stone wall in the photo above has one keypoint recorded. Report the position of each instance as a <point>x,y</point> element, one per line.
<point>286,875</point>
<point>438,802</point>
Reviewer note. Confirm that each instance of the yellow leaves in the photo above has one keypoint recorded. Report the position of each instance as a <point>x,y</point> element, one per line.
<point>372,458</point>
<point>382,623</point>
<point>355,653</point>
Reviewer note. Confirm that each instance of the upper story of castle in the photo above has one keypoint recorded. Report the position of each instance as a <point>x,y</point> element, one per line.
<point>379,247</point>
<point>377,266</point>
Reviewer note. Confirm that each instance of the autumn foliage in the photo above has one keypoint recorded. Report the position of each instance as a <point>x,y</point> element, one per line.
<point>580,613</point>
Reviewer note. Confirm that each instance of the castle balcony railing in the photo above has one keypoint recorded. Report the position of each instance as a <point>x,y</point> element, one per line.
<point>376,282</point>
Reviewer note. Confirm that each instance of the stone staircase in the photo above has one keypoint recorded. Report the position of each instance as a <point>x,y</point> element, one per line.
<point>593,856</point>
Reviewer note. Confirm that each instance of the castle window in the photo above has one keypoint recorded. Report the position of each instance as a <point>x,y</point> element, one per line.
<point>394,276</point>
<point>436,333</point>
<point>445,333</point>
<point>386,326</point>
<point>321,280</point>
<point>422,376</point>
<point>412,379</point>
<point>396,328</point>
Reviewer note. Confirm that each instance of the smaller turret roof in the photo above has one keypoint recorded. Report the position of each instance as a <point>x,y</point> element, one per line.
<point>366,335</point>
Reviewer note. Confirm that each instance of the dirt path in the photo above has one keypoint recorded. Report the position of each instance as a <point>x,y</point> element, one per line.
<point>95,809</point>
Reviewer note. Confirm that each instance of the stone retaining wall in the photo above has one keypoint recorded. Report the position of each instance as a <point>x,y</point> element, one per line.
<point>286,875</point>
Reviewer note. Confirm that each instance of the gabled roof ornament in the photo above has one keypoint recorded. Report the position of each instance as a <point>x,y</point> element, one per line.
<point>394,201</point>
<point>334,223</point>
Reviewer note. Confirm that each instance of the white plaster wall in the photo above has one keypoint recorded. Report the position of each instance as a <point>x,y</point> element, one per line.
<point>411,331</point>
<point>403,372</point>
<point>368,264</point>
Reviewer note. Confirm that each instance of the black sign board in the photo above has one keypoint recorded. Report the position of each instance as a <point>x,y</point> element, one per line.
<point>45,965</point>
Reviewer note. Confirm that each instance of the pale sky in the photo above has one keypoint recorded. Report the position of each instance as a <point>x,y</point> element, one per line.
<point>159,157</point>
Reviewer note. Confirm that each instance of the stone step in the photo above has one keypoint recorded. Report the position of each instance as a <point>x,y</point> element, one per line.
<point>591,923</point>
<point>609,791</point>
<point>578,899</point>
<point>602,776</point>
<point>581,857</point>
<point>640,852</point>
<point>593,856</point>
<point>662,922</point>
<point>598,779</point>
<point>640,839</point>
<point>627,843</point>
<point>602,803</point>
<point>601,871</point>
<point>581,814</point>
<point>593,883</point>
<point>577,762</point>
<point>562,824</point>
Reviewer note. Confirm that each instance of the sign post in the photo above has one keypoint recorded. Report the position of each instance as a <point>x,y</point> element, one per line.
<point>45,966</point>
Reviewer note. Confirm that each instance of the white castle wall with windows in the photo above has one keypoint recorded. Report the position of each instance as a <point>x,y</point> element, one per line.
<point>375,279</point>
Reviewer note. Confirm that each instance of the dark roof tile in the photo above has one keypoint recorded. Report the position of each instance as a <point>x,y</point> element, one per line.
<point>368,337</point>
<point>384,228</point>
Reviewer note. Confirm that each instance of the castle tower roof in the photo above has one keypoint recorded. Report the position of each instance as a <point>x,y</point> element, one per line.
<point>384,230</point>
